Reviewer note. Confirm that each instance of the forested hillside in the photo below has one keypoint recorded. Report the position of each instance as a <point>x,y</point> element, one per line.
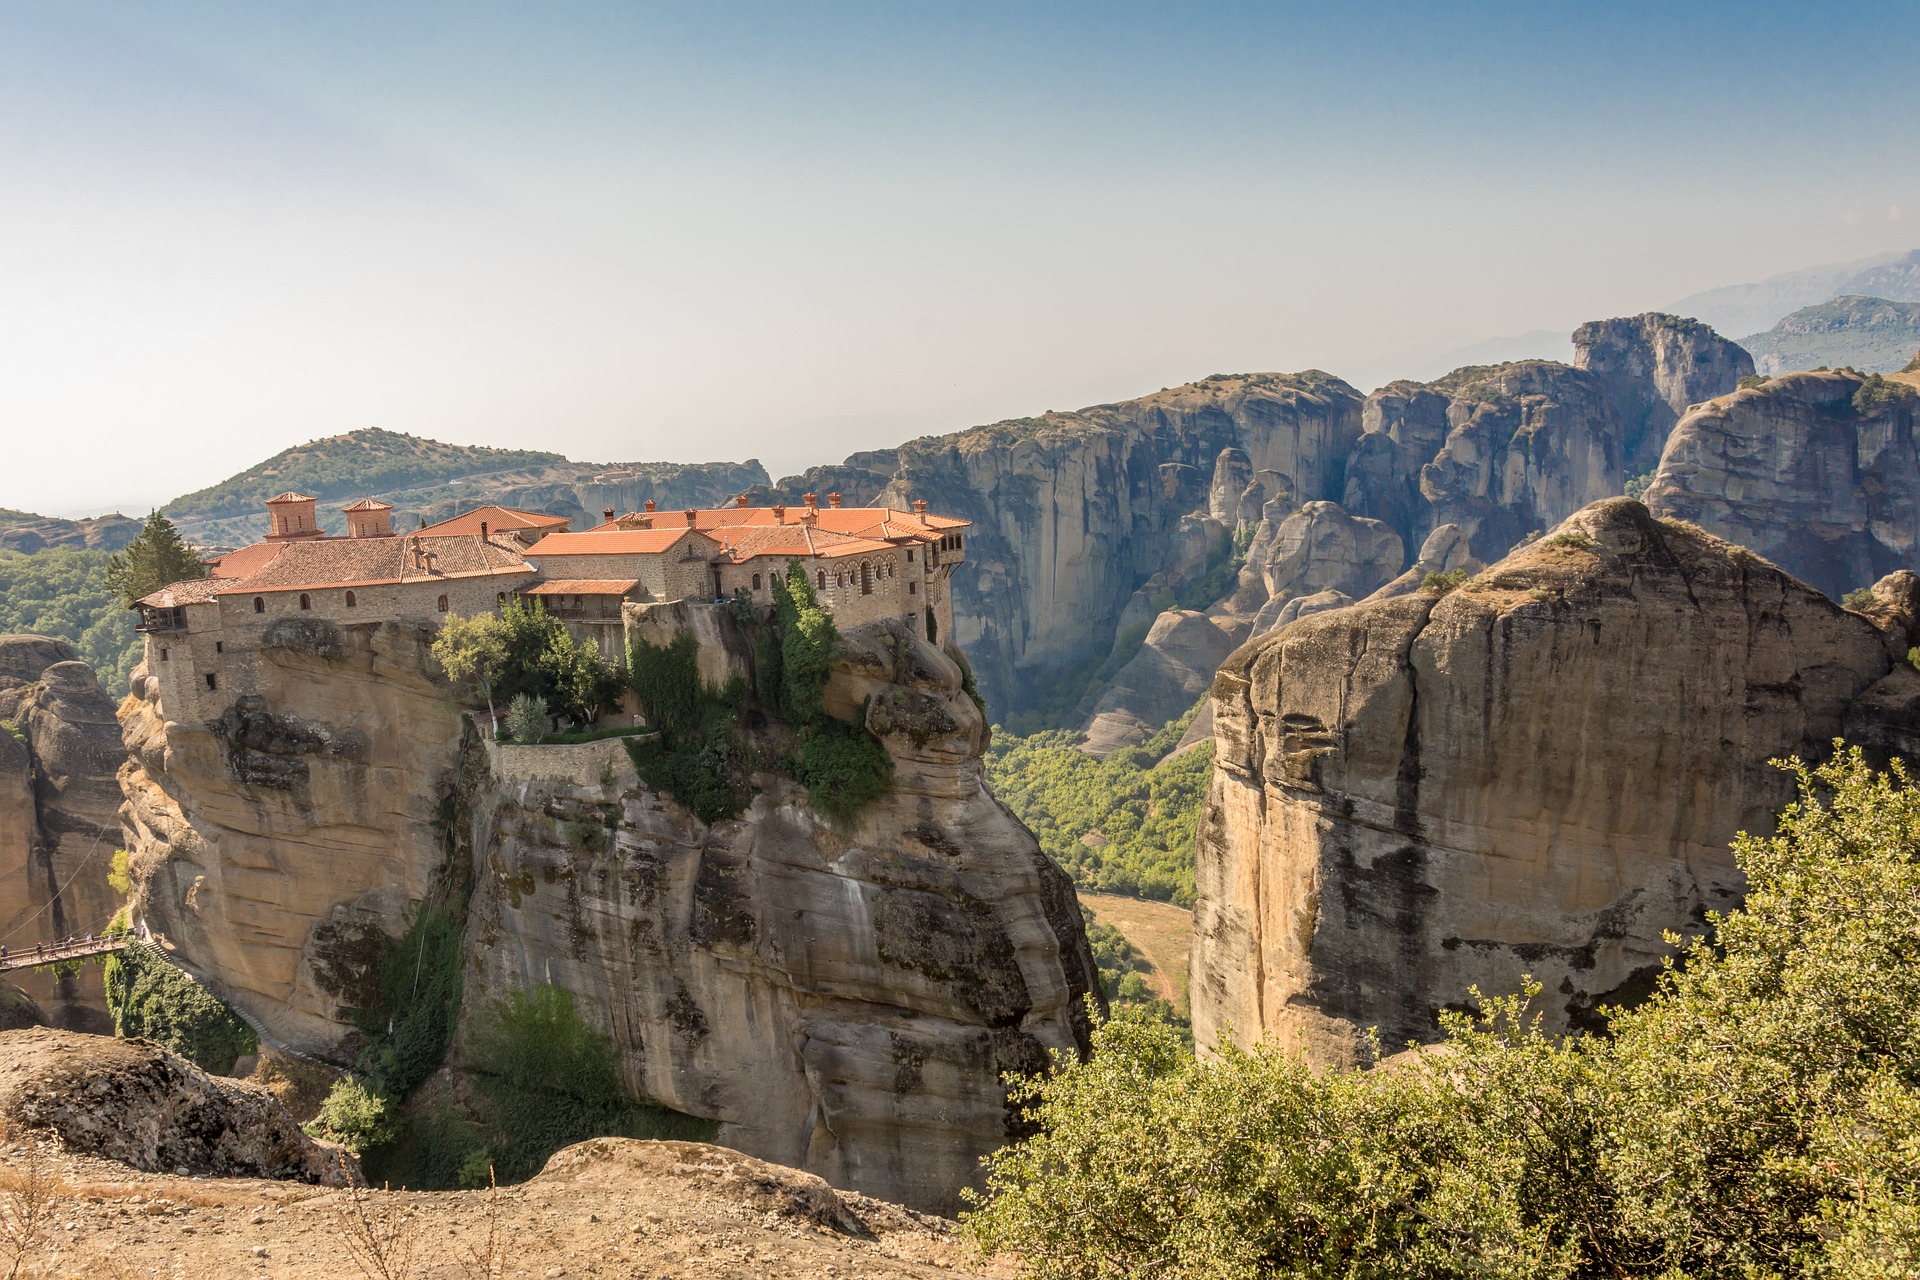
<point>64,594</point>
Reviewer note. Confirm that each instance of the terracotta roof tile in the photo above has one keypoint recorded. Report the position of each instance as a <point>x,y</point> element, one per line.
<point>368,504</point>
<point>498,519</point>
<point>582,587</point>
<point>609,542</point>
<point>238,564</point>
<point>291,496</point>
<point>331,562</point>
<point>191,591</point>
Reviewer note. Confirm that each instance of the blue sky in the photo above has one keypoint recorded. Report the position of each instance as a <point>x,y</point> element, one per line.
<point>632,232</point>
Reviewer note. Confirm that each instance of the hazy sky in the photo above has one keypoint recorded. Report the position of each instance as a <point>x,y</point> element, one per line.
<point>633,232</point>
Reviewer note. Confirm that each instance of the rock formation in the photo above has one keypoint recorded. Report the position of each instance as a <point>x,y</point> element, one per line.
<point>1072,512</point>
<point>1873,335</point>
<point>25,532</point>
<point>135,1102</point>
<point>59,750</point>
<point>844,1000</point>
<point>1174,667</point>
<point>1811,470</point>
<point>1317,548</point>
<point>1538,772</point>
<point>1653,368</point>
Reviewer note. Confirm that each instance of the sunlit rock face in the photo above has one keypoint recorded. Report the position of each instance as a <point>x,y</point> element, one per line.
<point>1806,470</point>
<point>844,999</point>
<point>1537,773</point>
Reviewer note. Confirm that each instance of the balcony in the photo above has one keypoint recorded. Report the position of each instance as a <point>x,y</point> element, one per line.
<point>158,621</point>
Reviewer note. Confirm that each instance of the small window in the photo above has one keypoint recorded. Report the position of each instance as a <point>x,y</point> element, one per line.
<point>213,681</point>
<point>839,580</point>
<point>163,654</point>
<point>823,579</point>
<point>306,601</point>
<point>959,542</point>
<point>442,605</point>
<point>909,555</point>
<point>866,578</point>
<point>259,604</point>
<point>219,646</point>
<point>353,601</point>
<point>913,588</point>
<point>756,582</point>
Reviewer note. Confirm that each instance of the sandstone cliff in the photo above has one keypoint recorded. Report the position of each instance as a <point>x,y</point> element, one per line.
<point>1075,511</point>
<point>59,750</point>
<point>843,1000</point>
<point>1653,368</point>
<point>1536,773</point>
<point>1807,469</point>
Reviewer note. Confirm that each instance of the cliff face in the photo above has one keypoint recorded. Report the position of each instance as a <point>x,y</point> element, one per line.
<point>274,845</point>
<point>58,806</point>
<point>1073,512</point>
<point>844,1000</point>
<point>1806,470</point>
<point>1653,368</point>
<point>1536,773</point>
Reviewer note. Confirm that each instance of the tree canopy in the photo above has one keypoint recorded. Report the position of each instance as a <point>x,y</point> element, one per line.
<point>156,556</point>
<point>64,594</point>
<point>1758,1116</point>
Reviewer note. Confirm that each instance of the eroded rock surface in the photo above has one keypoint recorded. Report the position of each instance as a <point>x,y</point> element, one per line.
<point>1174,667</point>
<point>1655,367</point>
<point>1825,487</point>
<point>843,999</point>
<point>59,803</point>
<point>142,1105</point>
<point>1536,773</point>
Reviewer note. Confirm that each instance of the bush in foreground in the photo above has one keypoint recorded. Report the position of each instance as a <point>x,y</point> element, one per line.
<point>1759,1116</point>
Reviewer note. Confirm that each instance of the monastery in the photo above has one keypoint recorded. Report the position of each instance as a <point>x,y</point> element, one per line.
<point>202,635</point>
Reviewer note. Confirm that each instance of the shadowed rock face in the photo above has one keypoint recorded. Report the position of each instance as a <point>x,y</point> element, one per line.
<point>842,1000</point>
<point>1796,471</point>
<point>58,815</point>
<point>1654,368</point>
<point>1536,773</point>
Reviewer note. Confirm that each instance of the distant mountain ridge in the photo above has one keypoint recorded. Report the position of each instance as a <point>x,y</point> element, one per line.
<point>1751,308</point>
<point>1873,335</point>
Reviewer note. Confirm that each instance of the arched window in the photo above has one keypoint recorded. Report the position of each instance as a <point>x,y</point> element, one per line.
<point>823,579</point>
<point>259,604</point>
<point>306,601</point>
<point>866,578</point>
<point>756,582</point>
<point>839,580</point>
<point>442,606</point>
<point>353,601</point>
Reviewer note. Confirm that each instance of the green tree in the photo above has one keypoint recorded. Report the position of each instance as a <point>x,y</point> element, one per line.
<point>157,556</point>
<point>807,637</point>
<point>473,653</point>
<point>1756,1117</point>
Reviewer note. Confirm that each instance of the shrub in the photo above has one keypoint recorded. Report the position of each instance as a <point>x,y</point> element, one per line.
<point>666,679</point>
<point>1637,486</point>
<point>355,1117</point>
<point>1572,539</point>
<point>807,637</point>
<point>415,1004</point>
<point>1440,584</point>
<point>1859,599</point>
<point>119,878</point>
<point>151,998</point>
<point>527,718</point>
<point>705,768</point>
<point>843,768</point>
<point>1876,394</point>
<point>1753,380</point>
<point>1754,1117</point>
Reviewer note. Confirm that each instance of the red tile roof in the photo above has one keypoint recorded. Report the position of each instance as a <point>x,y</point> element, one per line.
<point>609,542</point>
<point>192,591</point>
<point>744,543</point>
<point>238,564</point>
<point>349,562</point>
<point>872,522</point>
<point>583,587</point>
<point>498,520</point>
<point>368,504</point>
<point>291,496</point>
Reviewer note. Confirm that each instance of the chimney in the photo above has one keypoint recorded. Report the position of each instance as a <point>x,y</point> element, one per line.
<point>740,500</point>
<point>483,531</point>
<point>692,517</point>
<point>606,514</point>
<point>919,506</point>
<point>808,499</point>
<point>833,500</point>
<point>649,506</point>
<point>779,515</point>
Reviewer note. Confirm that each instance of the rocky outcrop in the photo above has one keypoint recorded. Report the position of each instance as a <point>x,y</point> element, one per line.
<point>59,751</point>
<point>25,532</point>
<point>135,1102</point>
<point>1653,368</point>
<point>1815,471</point>
<point>843,999</point>
<point>1075,511</point>
<point>1446,550</point>
<point>276,845</point>
<point>1174,667</point>
<point>1536,773</point>
<point>1315,549</point>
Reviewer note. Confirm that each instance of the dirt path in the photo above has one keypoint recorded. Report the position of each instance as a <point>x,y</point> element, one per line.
<point>611,1207</point>
<point>1160,931</point>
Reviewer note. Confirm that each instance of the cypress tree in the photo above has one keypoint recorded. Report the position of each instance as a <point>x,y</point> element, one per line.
<point>155,558</point>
